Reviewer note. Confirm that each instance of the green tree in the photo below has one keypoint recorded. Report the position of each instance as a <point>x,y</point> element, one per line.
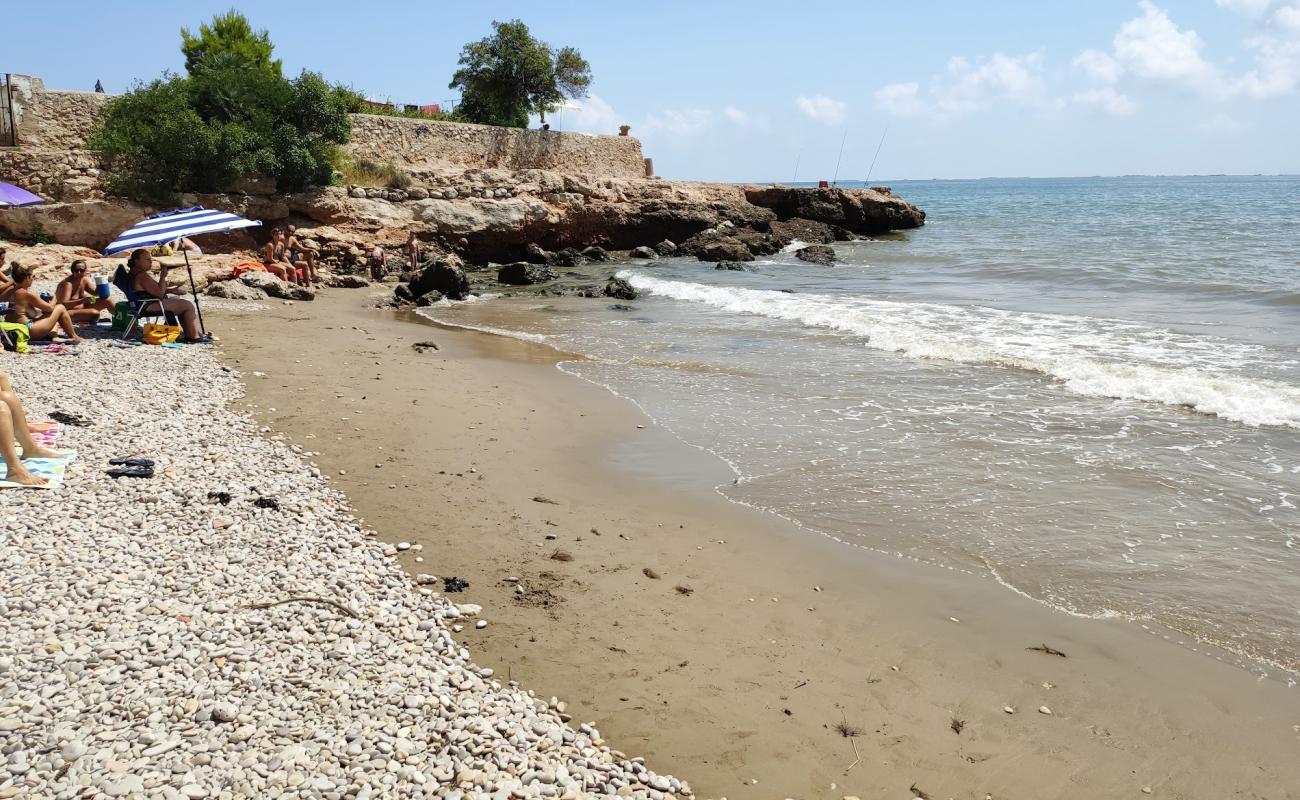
<point>231,116</point>
<point>507,76</point>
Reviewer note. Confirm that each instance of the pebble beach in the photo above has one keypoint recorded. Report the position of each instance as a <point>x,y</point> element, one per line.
<point>159,642</point>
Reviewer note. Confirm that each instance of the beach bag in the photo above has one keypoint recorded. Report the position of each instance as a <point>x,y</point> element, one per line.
<point>121,316</point>
<point>15,337</point>
<point>159,334</point>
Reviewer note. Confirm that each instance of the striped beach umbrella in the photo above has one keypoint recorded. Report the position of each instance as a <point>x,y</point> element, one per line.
<point>168,226</point>
<point>11,195</point>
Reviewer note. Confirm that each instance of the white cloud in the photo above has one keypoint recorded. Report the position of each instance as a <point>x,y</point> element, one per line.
<point>1100,66</point>
<point>590,114</point>
<point>679,122</point>
<point>900,99</point>
<point>968,87</point>
<point>1107,99</point>
<point>1153,46</point>
<point>735,115</point>
<point>1222,124</point>
<point>821,108</point>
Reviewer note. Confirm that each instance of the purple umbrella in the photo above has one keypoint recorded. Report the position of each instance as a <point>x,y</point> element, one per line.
<point>11,195</point>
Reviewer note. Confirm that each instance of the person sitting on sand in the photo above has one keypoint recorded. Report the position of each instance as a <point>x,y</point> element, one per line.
<point>41,318</point>
<point>301,257</point>
<point>376,261</point>
<point>13,428</point>
<point>144,285</point>
<point>77,294</point>
<point>273,258</point>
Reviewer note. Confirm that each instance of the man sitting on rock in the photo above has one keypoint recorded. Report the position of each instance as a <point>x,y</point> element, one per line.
<point>77,294</point>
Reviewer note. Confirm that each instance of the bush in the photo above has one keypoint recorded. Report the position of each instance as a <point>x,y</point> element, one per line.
<point>232,116</point>
<point>365,172</point>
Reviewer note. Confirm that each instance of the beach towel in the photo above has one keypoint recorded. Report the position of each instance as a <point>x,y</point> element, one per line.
<point>51,469</point>
<point>247,266</point>
<point>46,434</point>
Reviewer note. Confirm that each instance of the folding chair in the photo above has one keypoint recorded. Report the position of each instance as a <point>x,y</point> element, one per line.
<point>138,305</point>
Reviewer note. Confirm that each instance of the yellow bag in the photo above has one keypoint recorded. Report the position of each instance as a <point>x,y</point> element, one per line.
<point>159,334</point>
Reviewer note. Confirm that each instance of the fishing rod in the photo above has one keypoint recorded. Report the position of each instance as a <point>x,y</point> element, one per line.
<point>797,156</point>
<point>836,176</point>
<point>877,155</point>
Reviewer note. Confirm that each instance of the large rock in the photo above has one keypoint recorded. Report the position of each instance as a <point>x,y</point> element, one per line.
<point>619,288</point>
<point>595,253</point>
<point>643,252</point>
<point>235,290</point>
<point>345,281</point>
<point>275,287</point>
<point>522,273</point>
<point>666,248</point>
<point>816,254</point>
<point>535,254</point>
<point>726,248</point>
<point>443,274</point>
<point>859,211</point>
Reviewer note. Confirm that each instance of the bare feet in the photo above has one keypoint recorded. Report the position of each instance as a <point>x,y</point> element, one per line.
<point>22,477</point>
<point>42,452</point>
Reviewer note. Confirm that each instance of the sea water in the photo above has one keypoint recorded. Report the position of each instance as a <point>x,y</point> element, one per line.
<point>1087,390</point>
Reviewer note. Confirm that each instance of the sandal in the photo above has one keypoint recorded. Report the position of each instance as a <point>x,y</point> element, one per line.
<point>131,462</point>
<point>130,472</point>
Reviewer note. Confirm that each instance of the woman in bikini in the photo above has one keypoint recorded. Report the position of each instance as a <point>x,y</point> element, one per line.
<point>145,285</point>
<point>77,294</point>
<point>42,319</point>
<point>302,258</point>
<point>274,261</point>
<point>13,428</point>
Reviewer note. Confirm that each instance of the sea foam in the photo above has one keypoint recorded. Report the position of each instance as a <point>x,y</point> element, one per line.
<point>1089,356</point>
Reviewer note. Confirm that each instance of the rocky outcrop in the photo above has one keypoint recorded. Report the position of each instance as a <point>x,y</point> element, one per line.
<point>273,286</point>
<point>816,254</point>
<point>727,248</point>
<point>619,288</point>
<point>522,273</point>
<point>864,212</point>
<point>235,290</point>
<point>444,275</point>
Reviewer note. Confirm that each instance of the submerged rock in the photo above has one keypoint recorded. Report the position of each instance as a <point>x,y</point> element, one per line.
<point>522,273</point>
<point>734,266</point>
<point>595,253</point>
<point>816,254</point>
<point>621,289</point>
<point>643,252</point>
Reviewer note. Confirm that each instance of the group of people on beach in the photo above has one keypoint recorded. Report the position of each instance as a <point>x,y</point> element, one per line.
<point>288,258</point>
<point>377,259</point>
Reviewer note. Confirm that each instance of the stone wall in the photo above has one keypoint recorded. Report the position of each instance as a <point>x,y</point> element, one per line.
<point>58,175</point>
<point>53,120</point>
<point>429,145</point>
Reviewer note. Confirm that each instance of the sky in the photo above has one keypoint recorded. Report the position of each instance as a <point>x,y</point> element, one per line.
<point>764,91</point>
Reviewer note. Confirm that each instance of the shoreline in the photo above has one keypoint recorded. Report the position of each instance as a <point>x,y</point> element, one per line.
<point>665,669</point>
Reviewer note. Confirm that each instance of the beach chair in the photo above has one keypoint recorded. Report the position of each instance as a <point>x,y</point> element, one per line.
<point>138,306</point>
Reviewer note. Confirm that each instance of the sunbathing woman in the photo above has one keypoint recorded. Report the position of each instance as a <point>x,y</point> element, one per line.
<point>77,294</point>
<point>273,258</point>
<point>13,427</point>
<point>41,318</point>
<point>144,285</point>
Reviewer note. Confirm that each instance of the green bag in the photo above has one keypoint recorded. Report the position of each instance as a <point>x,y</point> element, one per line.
<point>121,315</point>
<point>16,336</point>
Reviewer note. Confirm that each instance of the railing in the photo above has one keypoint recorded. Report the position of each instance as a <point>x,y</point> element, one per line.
<point>8,123</point>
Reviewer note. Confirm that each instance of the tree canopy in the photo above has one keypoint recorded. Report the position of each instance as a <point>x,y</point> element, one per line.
<point>231,116</point>
<point>505,77</point>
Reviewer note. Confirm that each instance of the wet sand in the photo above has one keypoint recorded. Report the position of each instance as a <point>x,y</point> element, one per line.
<point>742,666</point>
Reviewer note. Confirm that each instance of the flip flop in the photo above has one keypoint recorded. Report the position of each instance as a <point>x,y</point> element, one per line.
<point>130,472</point>
<point>70,419</point>
<point>131,462</point>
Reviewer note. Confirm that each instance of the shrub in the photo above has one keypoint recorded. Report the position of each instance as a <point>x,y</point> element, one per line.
<point>232,116</point>
<point>365,172</point>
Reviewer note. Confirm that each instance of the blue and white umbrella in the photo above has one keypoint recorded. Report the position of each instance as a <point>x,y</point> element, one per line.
<point>168,226</point>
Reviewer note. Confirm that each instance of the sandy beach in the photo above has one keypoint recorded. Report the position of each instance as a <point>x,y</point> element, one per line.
<point>731,648</point>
